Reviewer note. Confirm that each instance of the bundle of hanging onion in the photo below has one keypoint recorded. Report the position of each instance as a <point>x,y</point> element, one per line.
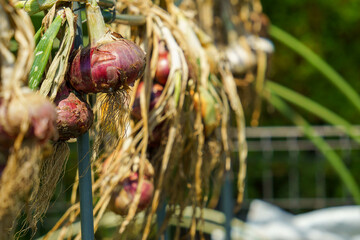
<point>30,108</point>
<point>75,116</point>
<point>109,63</point>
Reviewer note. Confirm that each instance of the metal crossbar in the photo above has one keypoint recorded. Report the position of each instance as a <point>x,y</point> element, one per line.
<point>285,131</point>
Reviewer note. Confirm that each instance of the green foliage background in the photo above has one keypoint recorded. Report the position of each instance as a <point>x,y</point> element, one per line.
<point>331,30</point>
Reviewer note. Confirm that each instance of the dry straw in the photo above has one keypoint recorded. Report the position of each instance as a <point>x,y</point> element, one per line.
<point>190,162</point>
<point>195,149</point>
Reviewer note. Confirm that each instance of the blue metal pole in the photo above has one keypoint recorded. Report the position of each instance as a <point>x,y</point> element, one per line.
<point>227,204</point>
<point>85,188</point>
<point>160,218</point>
<point>86,204</point>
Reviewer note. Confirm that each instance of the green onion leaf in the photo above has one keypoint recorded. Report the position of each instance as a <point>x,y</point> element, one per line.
<point>37,35</point>
<point>42,52</point>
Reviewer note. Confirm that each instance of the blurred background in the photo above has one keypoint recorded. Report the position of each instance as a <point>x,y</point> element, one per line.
<point>284,167</point>
<point>330,29</point>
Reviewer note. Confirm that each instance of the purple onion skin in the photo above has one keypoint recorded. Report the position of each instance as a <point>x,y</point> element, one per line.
<point>75,116</point>
<point>107,67</point>
<point>41,115</point>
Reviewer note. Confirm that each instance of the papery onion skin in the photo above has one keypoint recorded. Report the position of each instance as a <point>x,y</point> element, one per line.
<point>75,116</point>
<point>107,66</point>
<point>41,115</point>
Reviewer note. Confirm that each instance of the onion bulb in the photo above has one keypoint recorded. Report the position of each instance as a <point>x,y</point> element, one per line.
<point>163,65</point>
<point>107,67</point>
<point>75,116</point>
<point>125,191</point>
<point>36,109</point>
<point>110,62</point>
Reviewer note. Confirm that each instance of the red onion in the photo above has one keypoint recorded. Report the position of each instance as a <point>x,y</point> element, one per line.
<point>109,62</point>
<point>156,91</point>
<point>121,200</point>
<point>107,67</point>
<point>124,193</point>
<point>75,116</point>
<point>163,65</point>
<point>40,113</point>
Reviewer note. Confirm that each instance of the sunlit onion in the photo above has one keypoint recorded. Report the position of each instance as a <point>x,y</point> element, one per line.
<point>106,67</point>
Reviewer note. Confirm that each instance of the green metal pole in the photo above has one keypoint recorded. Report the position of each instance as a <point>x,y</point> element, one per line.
<point>85,188</point>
